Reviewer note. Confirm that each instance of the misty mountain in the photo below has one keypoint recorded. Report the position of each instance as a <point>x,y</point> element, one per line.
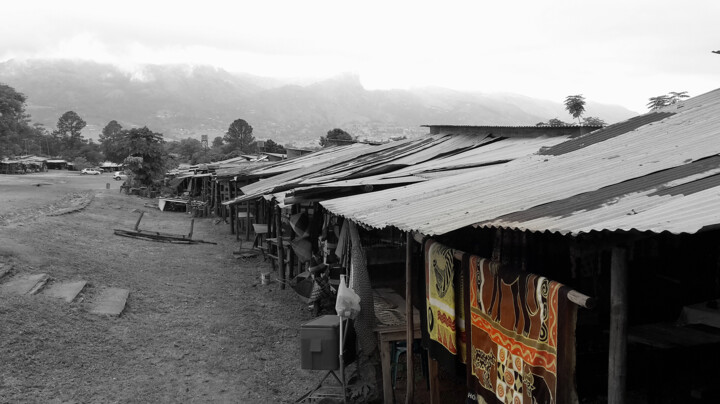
<point>182,101</point>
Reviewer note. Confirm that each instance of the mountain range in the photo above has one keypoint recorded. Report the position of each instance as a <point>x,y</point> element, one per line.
<point>183,101</point>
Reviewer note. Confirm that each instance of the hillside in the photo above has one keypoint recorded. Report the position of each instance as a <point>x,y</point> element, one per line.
<point>181,101</point>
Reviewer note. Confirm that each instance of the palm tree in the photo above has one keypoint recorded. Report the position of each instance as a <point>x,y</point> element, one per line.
<point>658,102</point>
<point>676,97</point>
<point>673,97</point>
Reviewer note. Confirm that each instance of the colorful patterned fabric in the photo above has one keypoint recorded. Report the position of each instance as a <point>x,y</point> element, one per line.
<point>520,335</point>
<point>444,305</point>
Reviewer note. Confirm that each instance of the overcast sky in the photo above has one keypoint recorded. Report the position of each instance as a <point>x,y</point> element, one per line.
<point>611,51</point>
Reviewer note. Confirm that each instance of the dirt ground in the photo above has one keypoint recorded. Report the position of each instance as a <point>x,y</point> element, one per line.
<point>198,326</point>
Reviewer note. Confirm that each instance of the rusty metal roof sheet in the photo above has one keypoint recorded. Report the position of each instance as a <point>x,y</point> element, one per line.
<point>381,164</point>
<point>661,175</point>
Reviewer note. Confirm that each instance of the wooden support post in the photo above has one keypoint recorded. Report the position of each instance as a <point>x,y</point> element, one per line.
<point>271,223</point>
<point>280,249</point>
<point>207,189</point>
<point>218,199</point>
<point>409,398</point>
<point>247,221</point>
<point>434,376</point>
<point>223,208</point>
<point>231,208</point>
<point>617,364</point>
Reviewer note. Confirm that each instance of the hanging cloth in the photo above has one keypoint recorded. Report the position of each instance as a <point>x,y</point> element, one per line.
<point>521,340</point>
<point>444,334</point>
<point>342,250</point>
<point>360,283</point>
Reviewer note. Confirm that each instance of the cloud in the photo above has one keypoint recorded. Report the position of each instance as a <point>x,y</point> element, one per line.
<point>614,50</point>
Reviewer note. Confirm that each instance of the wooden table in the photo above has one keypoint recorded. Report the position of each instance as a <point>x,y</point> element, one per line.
<point>707,313</point>
<point>390,305</point>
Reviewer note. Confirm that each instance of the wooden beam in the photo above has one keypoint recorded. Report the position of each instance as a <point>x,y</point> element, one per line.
<point>617,361</point>
<point>410,396</point>
<point>573,295</point>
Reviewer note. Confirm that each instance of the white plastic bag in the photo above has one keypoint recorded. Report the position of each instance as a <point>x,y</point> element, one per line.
<point>347,304</point>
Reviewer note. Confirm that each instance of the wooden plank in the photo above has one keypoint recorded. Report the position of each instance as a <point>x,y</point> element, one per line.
<point>25,284</point>
<point>110,301</point>
<point>669,335</point>
<point>617,361</point>
<point>67,291</point>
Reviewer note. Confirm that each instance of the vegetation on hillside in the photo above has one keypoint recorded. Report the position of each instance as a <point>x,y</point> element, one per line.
<point>141,148</point>
<point>575,106</point>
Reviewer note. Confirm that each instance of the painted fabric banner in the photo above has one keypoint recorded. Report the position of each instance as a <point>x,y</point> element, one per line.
<point>444,305</point>
<point>521,336</point>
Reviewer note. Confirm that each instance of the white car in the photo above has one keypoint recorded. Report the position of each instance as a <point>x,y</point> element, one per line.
<point>118,175</point>
<point>90,171</point>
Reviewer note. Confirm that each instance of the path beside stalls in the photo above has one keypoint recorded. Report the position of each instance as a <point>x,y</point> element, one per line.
<point>198,325</point>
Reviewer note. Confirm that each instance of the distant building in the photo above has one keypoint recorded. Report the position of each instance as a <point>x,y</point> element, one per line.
<point>292,153</point>
<point>274,156</point>
<point>512,131</point>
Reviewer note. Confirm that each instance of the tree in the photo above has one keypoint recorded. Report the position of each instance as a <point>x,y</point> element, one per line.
<point>188,147</point>
<point>146,156</point>
<point>676,97</point>
<point>111,140</point>
<point>272,147</point>
<point>335,137</point>
<point>593,121</point>
<point>80,162</point>
<point>217,142</point>
<point>110,130</point>
<point>664,100</point>
<point>91,152</point>
<point>68,131</point>
<point>575,105</point>
<point>13,120</point>
<point>658,102</point>
<point>239,136</point>
<point>557,122</point>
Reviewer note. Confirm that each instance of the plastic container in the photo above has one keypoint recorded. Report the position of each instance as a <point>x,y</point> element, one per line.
<point>320,344</point>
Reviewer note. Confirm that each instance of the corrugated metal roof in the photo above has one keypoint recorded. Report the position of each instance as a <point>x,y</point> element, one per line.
<point>312,159</point>
<point>623,173</point>
<point>606,133</point>
<point>500,126</point>
<point>384,163</point>
<point>288,171</point>
<point>501,150</point>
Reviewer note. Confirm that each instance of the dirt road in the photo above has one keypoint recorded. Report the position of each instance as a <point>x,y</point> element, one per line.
<point>198,325</point>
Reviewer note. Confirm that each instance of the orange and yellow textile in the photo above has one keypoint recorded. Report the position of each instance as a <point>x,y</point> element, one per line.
<point>520,336</point>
